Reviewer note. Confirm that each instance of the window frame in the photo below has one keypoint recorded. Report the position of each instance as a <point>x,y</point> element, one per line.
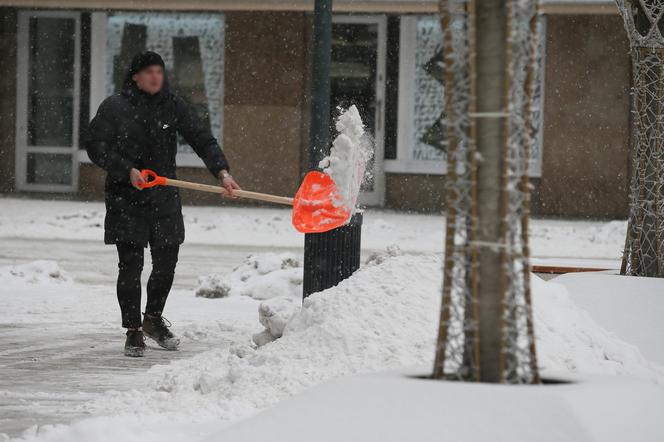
<point>404,162</point>
<point>23,149</point>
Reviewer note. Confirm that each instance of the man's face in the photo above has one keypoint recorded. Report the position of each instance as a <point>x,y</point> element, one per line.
<point>150,79</point>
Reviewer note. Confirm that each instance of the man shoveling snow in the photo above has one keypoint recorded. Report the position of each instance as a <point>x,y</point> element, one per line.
<point>138,129</point>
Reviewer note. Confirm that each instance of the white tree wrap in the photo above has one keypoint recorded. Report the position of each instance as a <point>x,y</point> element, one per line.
<point>644,243</point>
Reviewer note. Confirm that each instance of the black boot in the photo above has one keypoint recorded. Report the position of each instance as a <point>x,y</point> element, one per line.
<point>156,327</point>
<point>135,344</point>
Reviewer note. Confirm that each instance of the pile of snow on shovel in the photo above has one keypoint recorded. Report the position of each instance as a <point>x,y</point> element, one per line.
<point>351,152</point>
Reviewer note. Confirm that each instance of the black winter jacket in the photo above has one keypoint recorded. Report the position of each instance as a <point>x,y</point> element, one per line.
<point>135,130</point>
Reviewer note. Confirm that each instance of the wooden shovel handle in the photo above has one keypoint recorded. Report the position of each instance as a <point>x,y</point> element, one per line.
<point>163,181</point>
<point>240,193</point>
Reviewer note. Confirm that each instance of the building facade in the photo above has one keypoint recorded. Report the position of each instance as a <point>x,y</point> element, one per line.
<point>244,65</point>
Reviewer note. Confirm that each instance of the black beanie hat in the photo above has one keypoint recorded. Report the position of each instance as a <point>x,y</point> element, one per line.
<point>144,59</point>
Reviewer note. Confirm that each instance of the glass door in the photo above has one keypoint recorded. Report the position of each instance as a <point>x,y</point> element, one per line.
<point>47,101</point>
<point>358,77</point>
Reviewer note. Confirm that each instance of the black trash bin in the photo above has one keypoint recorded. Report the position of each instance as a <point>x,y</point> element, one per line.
<point>331,257</point>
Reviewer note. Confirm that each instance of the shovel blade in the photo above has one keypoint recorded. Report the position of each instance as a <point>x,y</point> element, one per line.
<point>314,209</point>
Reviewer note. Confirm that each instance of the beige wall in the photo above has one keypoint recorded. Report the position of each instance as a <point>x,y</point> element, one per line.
<point>264,97</point>
<point>7,97</point>
<point>586,118</point>
<point>417,192</point>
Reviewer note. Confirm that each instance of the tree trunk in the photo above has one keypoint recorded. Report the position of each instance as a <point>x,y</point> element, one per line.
<point>491,64</point>
<point>485,331</point>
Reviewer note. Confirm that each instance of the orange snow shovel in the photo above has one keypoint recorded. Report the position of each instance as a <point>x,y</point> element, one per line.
<point>314,209</point>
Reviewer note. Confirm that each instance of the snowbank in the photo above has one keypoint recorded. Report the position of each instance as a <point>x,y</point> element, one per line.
<point>383,317</point>
<point>632,308</point>
<point>33,273</point>
<point>261,276</point>
<point>273,277</point>
<point>569,339</point>
<point>394,301</point>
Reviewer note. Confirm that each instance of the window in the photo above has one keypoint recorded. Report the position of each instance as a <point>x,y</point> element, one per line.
<point>422,138</point>
<point>47,100</point>
<point>357,78</point>
<point>192,46</point>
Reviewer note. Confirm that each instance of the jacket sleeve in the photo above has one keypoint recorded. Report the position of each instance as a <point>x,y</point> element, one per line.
<point>99,144</point>
<point>200,138</point>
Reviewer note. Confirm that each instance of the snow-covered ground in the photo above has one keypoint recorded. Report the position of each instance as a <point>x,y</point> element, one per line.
<point>600,241</point>
<point>397,407</point>
<point>62,376</point>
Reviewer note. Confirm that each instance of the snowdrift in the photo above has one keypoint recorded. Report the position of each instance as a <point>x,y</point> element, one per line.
<point>258,276</point>
<point>386,315</point>
<point>632,308</point>
<point>33,273</point>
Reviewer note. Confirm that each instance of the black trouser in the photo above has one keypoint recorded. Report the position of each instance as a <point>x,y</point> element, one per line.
<point>130,268</point>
